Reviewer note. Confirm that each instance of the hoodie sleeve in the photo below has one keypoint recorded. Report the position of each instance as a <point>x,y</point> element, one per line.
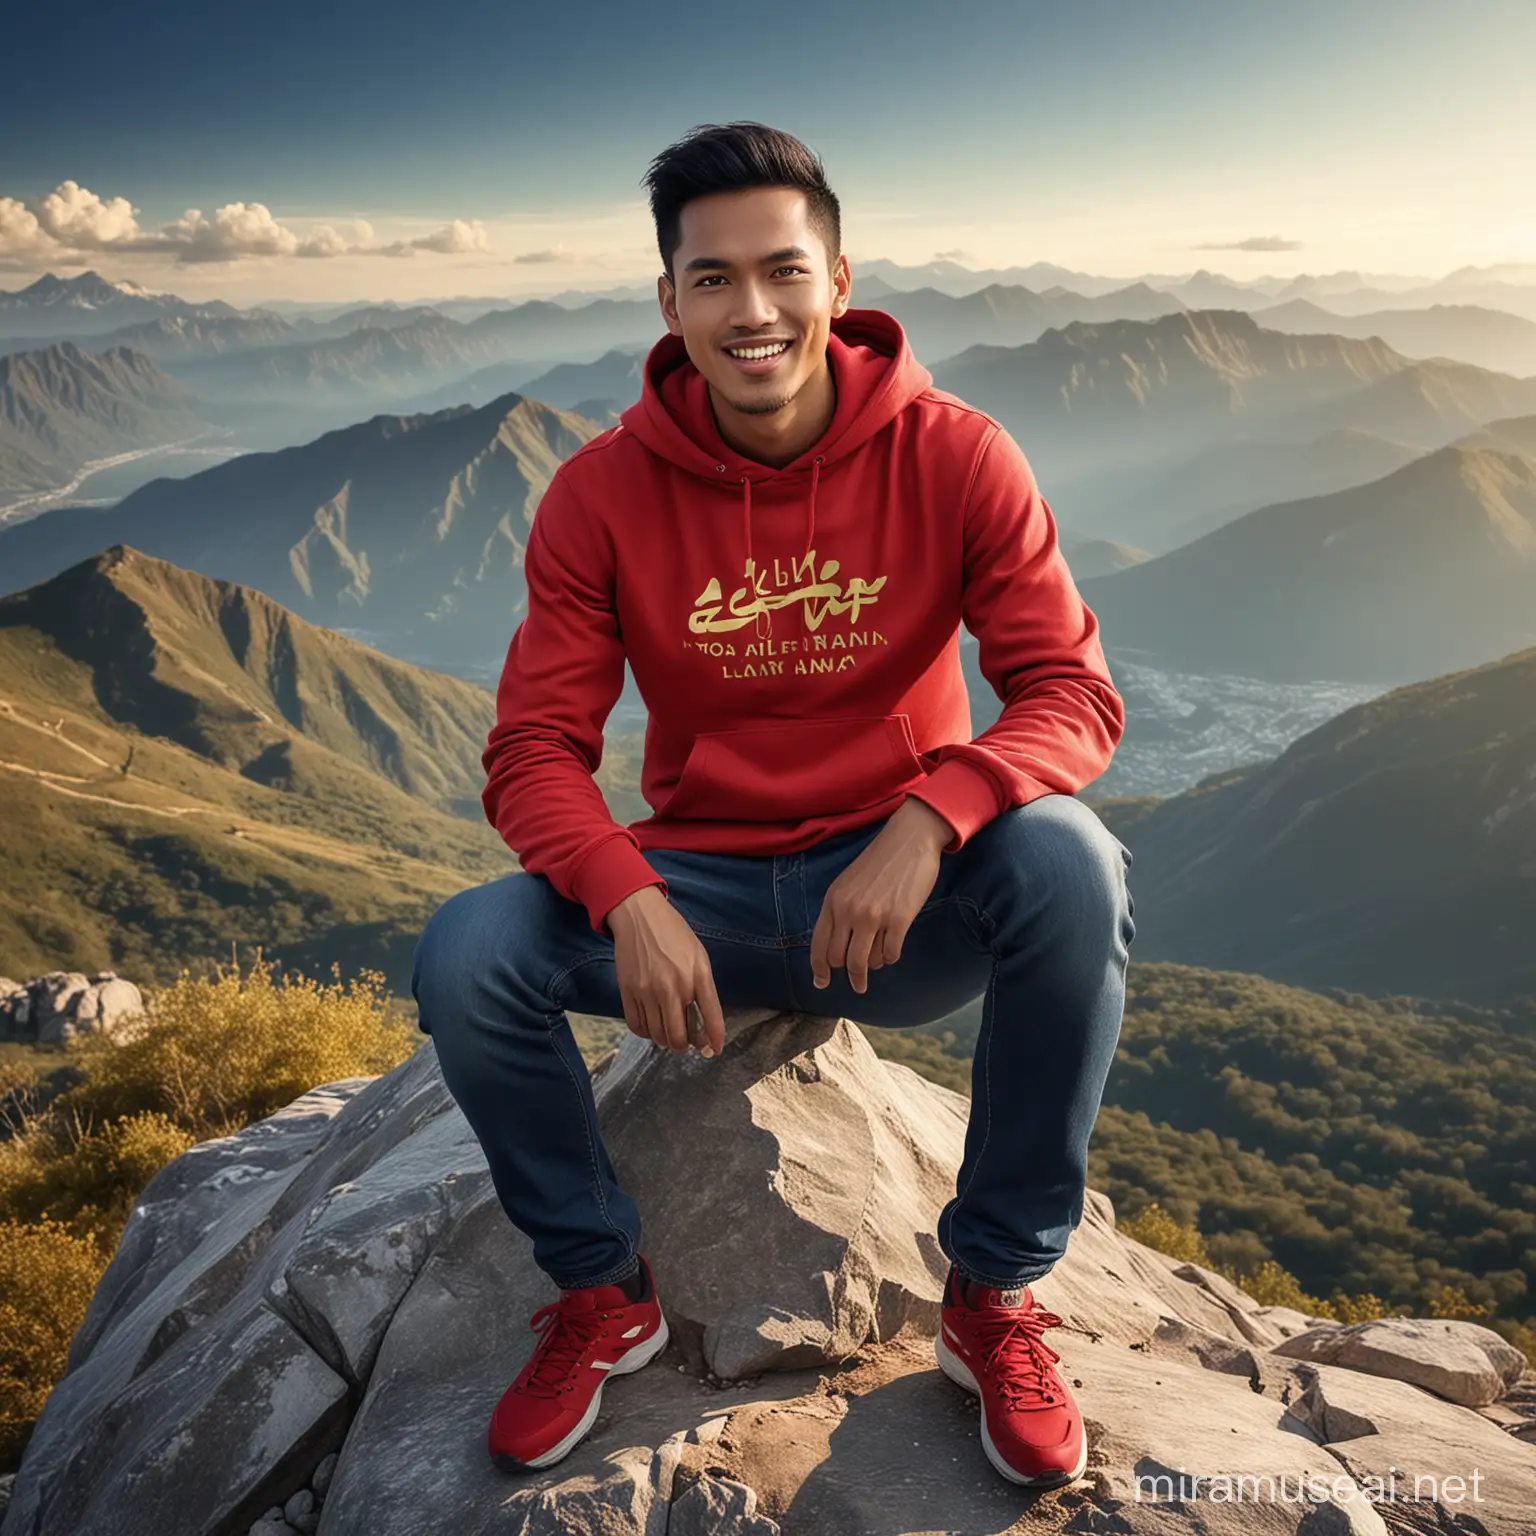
<point>1062,716</point>
<point>563,674</point>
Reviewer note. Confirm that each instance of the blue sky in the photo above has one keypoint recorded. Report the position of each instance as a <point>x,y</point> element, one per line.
<point>1388,135</point>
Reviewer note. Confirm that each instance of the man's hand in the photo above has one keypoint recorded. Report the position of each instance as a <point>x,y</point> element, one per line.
<point>870,906</point>
<point>662,968</point>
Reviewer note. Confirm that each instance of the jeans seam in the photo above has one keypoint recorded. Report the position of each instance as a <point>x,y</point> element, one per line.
<point>608,1277</point>
<point>730,936</point>
<point>997,1281</point>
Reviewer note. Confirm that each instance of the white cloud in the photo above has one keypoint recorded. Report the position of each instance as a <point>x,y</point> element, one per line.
<point>72,221</point>
<point>1252,243</point>
<point>460,238</point>
<point>21,236</point>
<point>553,253</point>
<point>77,218</point>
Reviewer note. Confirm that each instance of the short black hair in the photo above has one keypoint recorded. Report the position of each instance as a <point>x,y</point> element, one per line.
<point>731,157</point>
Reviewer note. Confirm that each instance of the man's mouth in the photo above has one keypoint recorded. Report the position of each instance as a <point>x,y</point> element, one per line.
<point>757,357</point>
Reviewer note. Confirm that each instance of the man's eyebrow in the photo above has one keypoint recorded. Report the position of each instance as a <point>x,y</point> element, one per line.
<point>713,263</point>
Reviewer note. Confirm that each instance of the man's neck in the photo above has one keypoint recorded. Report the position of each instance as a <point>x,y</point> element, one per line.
<point>780,437</point>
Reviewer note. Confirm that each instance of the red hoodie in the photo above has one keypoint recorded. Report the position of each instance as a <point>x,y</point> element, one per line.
<point>795,632</point>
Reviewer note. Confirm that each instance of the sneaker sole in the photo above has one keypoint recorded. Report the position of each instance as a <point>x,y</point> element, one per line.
<point>630,1362</point>
<point>960,1373</point>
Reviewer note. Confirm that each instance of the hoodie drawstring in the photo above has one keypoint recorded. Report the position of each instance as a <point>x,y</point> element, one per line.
<point>810,536</point>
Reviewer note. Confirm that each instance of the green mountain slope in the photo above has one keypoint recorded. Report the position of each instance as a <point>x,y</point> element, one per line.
<point>185,764</point>
<point>1367,1145</point>
<point>1393,849</point>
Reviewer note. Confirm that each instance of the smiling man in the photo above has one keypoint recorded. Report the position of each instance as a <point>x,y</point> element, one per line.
<point>782,537</point>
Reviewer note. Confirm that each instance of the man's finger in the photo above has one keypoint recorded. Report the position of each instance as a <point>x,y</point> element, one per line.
<point>655,1027</point>
<point>820,974</point>
<point>858,959</point>
<point>633,1017</point>
<point>675,1025</point>
<point>838,941</point>
<point>708,1006</point>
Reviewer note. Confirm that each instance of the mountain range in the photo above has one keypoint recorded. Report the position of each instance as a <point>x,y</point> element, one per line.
<point>1108,413</point>
<point>1467,333</point>
<point>88,305</point>
<point>62,406</point>
<point>187,764</point>
<point>1429,569</point>
<point>407,529</point>
<point>1391,850</point>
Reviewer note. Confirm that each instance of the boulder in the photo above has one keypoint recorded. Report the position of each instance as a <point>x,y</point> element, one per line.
<point>306,1325</point>
<point>1461,1361</point>
<point>54,1009</point>
<point>859,1162</point>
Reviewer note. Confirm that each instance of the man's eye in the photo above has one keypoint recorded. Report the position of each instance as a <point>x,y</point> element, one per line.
<point>777,270</point>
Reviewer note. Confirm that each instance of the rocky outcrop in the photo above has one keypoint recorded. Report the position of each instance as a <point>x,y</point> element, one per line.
<point>53,1009</point>
<point>1460,1361</point>
<point>306,1326</point>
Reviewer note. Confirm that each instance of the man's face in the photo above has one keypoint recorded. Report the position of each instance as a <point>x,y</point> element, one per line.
<point>750,266</point>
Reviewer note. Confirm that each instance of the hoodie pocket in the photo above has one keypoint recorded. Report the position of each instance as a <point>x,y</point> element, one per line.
<point>791,770</point>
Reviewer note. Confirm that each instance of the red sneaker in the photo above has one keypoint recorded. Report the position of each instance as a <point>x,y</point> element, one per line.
<point>585,1337</point>
<point>1030,1427</point>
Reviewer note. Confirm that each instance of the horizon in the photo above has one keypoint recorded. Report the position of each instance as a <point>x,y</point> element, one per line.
<point>1388,283</point>
<point>337,159</point>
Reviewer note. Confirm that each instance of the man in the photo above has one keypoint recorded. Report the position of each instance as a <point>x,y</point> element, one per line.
<point>783,537</point>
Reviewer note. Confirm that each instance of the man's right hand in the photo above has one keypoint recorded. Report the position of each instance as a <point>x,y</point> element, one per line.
<point>662,967</point>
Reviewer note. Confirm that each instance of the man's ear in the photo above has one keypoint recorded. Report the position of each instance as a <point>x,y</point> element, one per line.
<point>842,294</point>
<point>666,297</point>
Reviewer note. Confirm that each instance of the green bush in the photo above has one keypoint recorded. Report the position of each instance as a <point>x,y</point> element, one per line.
<point>47,1275</point>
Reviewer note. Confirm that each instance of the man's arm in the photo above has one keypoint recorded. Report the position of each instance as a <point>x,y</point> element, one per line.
<point>1062,716</point>
<point>563,674</point>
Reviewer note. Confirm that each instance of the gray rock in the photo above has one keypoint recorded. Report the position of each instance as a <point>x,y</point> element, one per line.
<point>178,1313</point>
<point>321,1481</point>
<point>300,1511</point>
<point>15,1010</point>
<point>56,1008</point>
<point>1419,1452</point>
<point>836,1251</point>
<point>316,1317</point>
<point>200,1442</point>
<point>712,1506</point>
<point>1461,1361</point>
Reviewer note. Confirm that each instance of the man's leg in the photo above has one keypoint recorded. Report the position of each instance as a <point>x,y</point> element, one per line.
<point>496,968</point>
<point>1033,914</point>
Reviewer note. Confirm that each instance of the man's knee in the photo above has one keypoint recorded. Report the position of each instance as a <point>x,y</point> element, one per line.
<point>1059,840</point>
<point>471,930</point>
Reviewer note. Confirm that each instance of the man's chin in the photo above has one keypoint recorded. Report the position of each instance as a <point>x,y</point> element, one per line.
<point>749,403</point>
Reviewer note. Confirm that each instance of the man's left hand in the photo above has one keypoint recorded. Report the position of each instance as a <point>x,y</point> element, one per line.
<point>872,903</point>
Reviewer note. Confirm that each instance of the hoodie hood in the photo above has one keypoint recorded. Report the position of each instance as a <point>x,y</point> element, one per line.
<point>876,377</point>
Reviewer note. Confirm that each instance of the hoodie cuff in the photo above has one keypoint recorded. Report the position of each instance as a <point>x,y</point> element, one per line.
<point>966,797</point>
<point>613,870</point>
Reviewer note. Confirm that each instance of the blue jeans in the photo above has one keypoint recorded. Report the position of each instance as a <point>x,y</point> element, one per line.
<point>1032,911</point>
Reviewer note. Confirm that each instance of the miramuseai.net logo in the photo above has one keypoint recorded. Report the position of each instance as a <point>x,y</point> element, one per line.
<point>1180,1486</point>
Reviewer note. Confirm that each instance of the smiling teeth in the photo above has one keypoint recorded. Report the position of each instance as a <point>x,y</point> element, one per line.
<point>753,354</point>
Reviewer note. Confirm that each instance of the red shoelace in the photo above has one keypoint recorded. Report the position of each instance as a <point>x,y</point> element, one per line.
<point>1016,1356</point>
<point>565,1336</point>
